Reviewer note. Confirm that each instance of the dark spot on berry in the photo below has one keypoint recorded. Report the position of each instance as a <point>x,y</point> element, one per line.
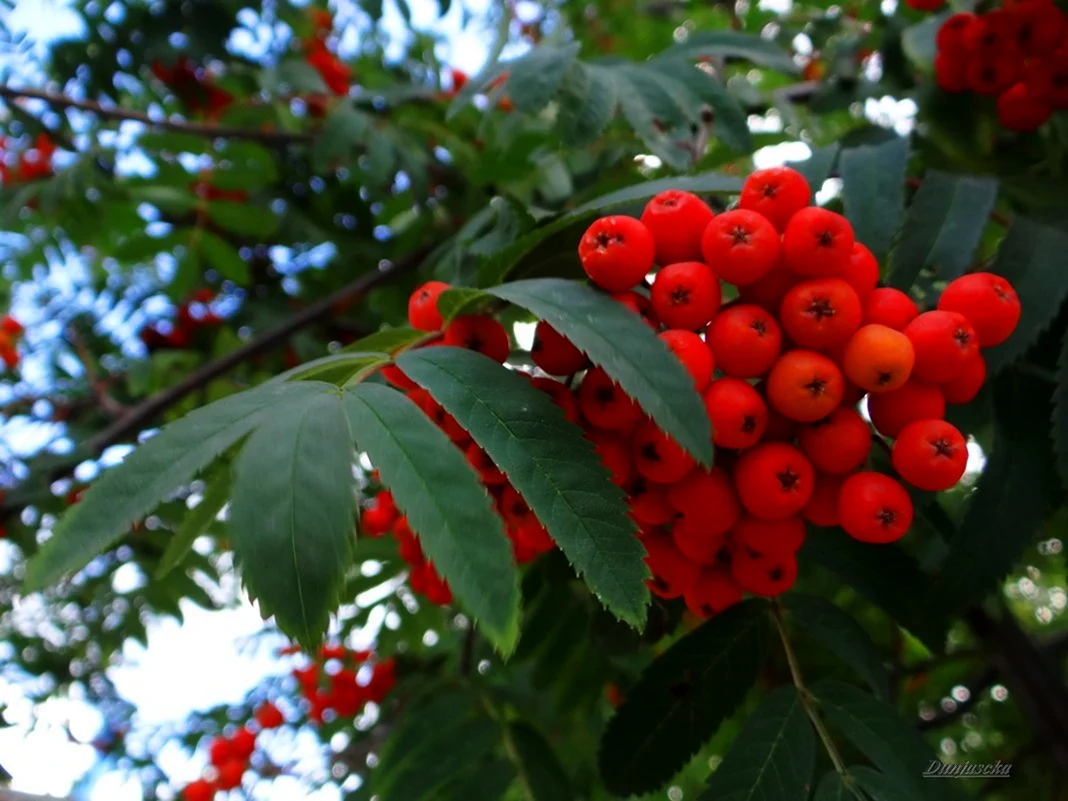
<point>886,516</point>
<point>962,337</point>
<point>817,386</point>
<point>474,342</point>
<point>739,235</point>
<point>650,453</point>
<point>776,574</point>
<point>707,610</point>
<point>660,584</point>
<point>884,378</point>
<point>680,296</point>
<point>825,239</point>
<point>752,554</point>
<point>748,424</point>
<point>604,395</point>
<point>820,308</point>
<point>788,478</point>
<point>770,190</point>
<point>759,327</point>
<point>942,447</point>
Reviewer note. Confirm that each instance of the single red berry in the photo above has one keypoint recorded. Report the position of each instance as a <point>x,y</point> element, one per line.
<point>774,480</point>
<point>768,576</point>
<point>1022,110</point>
<point>989,34</point>
<point>617,252</point>
<point>745,340</point>
<point>479,333</point>
<point>892,411</point>
<point>673,573</point>
<point>712,592</point>
<point>708,497</point>
<point>951,72</point>
<point>862,272</point>
<point>199,790</point>
<point>964,388</point>
<point>269,716</point>
<point>686,295</point>
<point>694,354</point>
<point>992,74</point>
<point>604,404</point>
<point>220,751</point>
<point>777,193</point>
<point>1038,28</point>
<point>423,314</point>
<point>696,541</point>
<point>376,519</point>
<point>769,291</point>
<point>737,413</point>
<point>822,507</point>
<point>943,341</point>
<point>615,455</point>
<point>1048,79</point>
<point>488,472</point>
<point>821,314</point>
<point>397,378</point>
<point>436,590</point>
<point>874,508</point>
<point>10,326</point>
<point>513,508</point>
<point>561,395</point>
<point>838,443</point>
<point>230,774</point>
<point>554,353</point>
<point>770,537</point>
<point>890,307</point>
<point>640,305</point>
<point>649,502</point>
<point>950,33</point>
<point>741,246</point>
<point>988,302</point>
<point>242,744</point>
<point>930,455</point>
<point>676,220</point>
<point>805,386</point>
<point>817,242</point>
<point>657,457</point>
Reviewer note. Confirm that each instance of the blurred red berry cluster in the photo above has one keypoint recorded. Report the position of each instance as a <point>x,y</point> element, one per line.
<point>193,315</point>
<point>337,682</point>
<point>10,333</point>
<point>193,86</point>
<point>31,164</point>
<point>336,74</point>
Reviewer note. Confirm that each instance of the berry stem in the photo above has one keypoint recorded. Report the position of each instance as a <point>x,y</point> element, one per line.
<point>809,702</point>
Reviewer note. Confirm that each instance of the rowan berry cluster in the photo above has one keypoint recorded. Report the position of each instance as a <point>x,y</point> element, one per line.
<point>229,757</point>
<point>193,316</point>
<point>31,164</point>
<point>782,368</point>
<point>194,86</point>
<point>1017,53</point>
<point>336,74</point>
<point>11,331</point>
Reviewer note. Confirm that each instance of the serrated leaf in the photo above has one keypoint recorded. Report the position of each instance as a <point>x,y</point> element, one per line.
<point>462,300</point>
<point>587,104</point>
<point>539,768</point>
<point>681,699</point>
<point>469,744</point>
<point>832,626</point>
<point>245,219</point>
<point>873,191</point>
<point>817,168</point>
<point>886,575</point>
<point>549,462</point>
<point>918,41</point>
<point>1008,506</point>
<point>292,517</point>
<point>343,129</point>
<point>1031,257</point>
<point>889,740</point>
<point>196,521</point>
<point>619,342</point>
<point>648,109</point>
<point>388,340</point>
<point>878,785</point>
<point>336,368</point>
<point>487,782</point>
<point>831,788</point>
<point>445,503</point>
<point>943,227</point>
<point>731,124</point>
<point>534,79</point>
<point>223,257</point>
<point>155,470</point>
<point>750,47</point>
<point>772,757</point>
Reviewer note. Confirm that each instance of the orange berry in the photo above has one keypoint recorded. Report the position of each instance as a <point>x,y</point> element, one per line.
<point>878,358</point>
<point>805,386</point>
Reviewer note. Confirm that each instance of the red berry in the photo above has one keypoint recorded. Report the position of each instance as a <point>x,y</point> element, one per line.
<point>10,326</point>
<point>712,592</point>
<point>741,246</point>
<point>686,295</point>
<point>769,290</point>
<point>617,252</point>
<point>874,508</point>
<point>436,589</point>
<point>242,744</point>
<point>992,74</point>
<point>640,305</point>
<point>423,314</point>
<point>488,472</point>
<point>745,340</point>
<point>694,354</point>
<point>951,73</point>
<point>708,497</point>
<point>943,341</point>
<point>764,575</point>
<point>199,790</point>
<point>777,193</point>
<point>657,457</point>
<point>554,353</point>
<point>513,508</point>
<point>1021,109</point>
<point>269,716</point>
<point>862,272</point>
<point>930,455</point>
<point>822,507</point>
<point>890,307</point>
<point>892,411</point>
<point>604,404</point>
<point>820,314</point>
<point>1038,28</point>
<point>676,220</point>
<point>878,359</point>
<point>376,519</point>
<point>805,386</point>
<point>649,503</point>
<point>1048,79</point>
<point>561,395</point>
<point>394,376</point>
<point>737,413</point>
<point>697,543</point>
<point>230,774</point>
<point>615,455</point>
<point>220,751</point>
<point>964,388</point>
<point>988,302</point>
<point>837,444</point>
<point>673,573</point>
<point>817,242</point>
<point>478,333</point>
<point>989,34</point>
<point>774,480</point>
<point>770,537</point>
<point>950,33</point>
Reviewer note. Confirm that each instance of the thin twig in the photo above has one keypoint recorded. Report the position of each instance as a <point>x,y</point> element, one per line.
<point>98,385</point>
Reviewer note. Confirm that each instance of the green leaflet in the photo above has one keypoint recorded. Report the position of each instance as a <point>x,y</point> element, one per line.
<point>873,191</point>
<point>196,521</point>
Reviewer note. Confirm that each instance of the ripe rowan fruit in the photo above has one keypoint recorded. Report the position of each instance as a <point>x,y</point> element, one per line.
<point>862,272</point>
<point>436,590</point>
<point>737,413</point>
<point>878,358</point>
<point>686,295</point>
<point>741,246</point>
<point>676,220</point>
<point>874,508</point>
<point>604,404</point>
<point>220,751</point>
<point>991,74</point>
<point>965,387</point>
<point>561,395</point>
<point>745,340</point>
<point>820,314</point>
<point>649,503</point>
<point>768,576</point>
<point>805,386</point>
<point>712,592</point>
<point>445,421</point>
<point>696,542</point>
<point>1020,109</point>
<point>892,411</point>
<point>199,790</point>
<point>615,455</point>
<point>479,333</point>
<point>708,497</point>
<point>777,193</point>
<point>617,252</point>
<point>488,472</point>
<point>822,507</point>
<point>774,480</point>
<point>890,307</point>
<point>988,302</point>
<point>673,573</point>
<point>423,314</point>
<point>230,774</point>
<point>640,305</point>
<point>242,744</point>
<point>817,242</point>
<point>930,455</point>
<point>554,353</point>
<point>376,518</point>
<point>950,34</point>
<point>513,508</point>
<point>397,378</point>
<point>769,291</point>
<point>770,537</point>
<point>839,443</point>
<point>269,716</point>
<point>10,326</point>
<point>943,341</point>
<point>694,354</point>
<point>657,456</point>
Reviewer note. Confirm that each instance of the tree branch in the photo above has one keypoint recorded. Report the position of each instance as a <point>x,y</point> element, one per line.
<point>59,101</point>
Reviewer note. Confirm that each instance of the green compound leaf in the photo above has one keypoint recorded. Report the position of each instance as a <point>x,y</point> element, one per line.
<point>873,191</point>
